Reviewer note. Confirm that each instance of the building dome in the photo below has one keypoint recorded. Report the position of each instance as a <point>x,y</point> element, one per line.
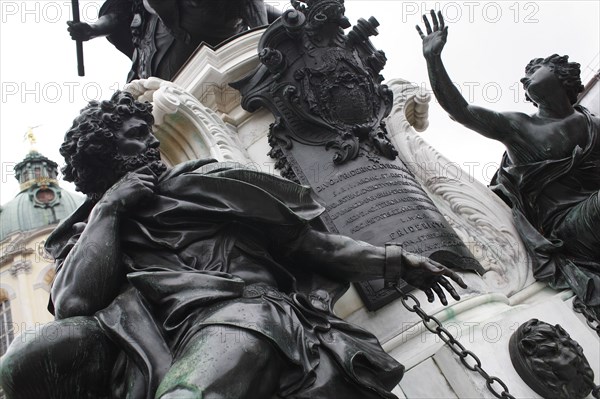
<point>41,201</point>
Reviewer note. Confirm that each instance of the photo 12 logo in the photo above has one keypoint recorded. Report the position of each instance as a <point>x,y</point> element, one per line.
<point>472,11</point>
<point>46,11</point>
<point>55,92</point>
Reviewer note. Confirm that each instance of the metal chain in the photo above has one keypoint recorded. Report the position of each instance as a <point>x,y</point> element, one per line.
<point>467,358</point>
<point>590,317</point>
<point>593,323</point>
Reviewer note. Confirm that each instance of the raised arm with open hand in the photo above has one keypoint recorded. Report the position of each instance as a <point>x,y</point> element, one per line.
<point>489,123</point>
<point>434,41</point>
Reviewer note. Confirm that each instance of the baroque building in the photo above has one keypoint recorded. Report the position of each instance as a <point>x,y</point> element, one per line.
<point>26,271</point>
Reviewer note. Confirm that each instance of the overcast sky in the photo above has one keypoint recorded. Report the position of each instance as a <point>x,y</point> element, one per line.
<point>489,44</point>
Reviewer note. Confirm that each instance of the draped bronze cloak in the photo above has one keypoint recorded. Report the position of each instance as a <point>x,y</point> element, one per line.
<point>177,252</point>
<point>556,209</point>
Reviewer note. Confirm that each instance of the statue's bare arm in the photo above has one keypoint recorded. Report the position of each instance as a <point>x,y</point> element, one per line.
<point>91,274</point>
<point>346,259</point>
<point>491,124</point>
<point>104,26</point>
<point>114,15</point>
<point>118,14</point>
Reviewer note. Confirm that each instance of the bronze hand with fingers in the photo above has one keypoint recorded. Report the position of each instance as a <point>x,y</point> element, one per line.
<point>420,272</point>
<point>431,277</point>
<point>436,37</point>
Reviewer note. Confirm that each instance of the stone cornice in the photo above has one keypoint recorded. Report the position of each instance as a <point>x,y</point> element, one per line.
<point>21,267</point>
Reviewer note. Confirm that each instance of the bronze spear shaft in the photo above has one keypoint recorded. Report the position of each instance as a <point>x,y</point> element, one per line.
<point>78,43</point>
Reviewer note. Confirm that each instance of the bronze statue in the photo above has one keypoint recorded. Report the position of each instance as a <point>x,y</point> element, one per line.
<point>550,173</point>
<point>203,280</point>
<point>160,35</point>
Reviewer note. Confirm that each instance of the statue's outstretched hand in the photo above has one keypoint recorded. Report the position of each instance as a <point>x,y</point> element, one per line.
<point>131,190</point>
<point>434,41</point>
<point>429,276</point>
<point>81,31</point>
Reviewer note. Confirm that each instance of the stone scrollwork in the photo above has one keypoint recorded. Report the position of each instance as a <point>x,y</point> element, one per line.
<point>411,104</point>
<point>186,128</point>
<point>477,215</point>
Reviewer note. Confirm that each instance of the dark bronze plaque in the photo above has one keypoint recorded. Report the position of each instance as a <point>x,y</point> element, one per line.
<point>378,200</point>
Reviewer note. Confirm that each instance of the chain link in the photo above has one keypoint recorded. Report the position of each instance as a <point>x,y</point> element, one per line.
<point>590,317</point>
<point>435,326</point>
<point>593,323</point>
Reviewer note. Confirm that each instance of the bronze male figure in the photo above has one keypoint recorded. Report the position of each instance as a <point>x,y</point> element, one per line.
<point>160,35</point>
<point>203,280</point>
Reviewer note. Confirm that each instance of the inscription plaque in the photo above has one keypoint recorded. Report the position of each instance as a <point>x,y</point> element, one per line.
<point>378,200</point>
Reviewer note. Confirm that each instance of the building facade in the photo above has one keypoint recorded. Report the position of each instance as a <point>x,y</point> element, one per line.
<point>26,270</point>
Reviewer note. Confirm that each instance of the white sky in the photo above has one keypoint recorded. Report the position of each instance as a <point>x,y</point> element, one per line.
<point>489,44</point>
